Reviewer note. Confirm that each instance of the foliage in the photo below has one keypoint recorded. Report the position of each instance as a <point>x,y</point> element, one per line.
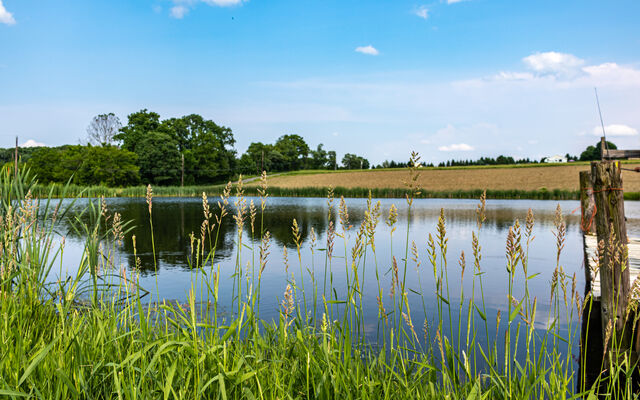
<point>85,165</point>
<point>592,153</point>
<point>139,124</point>
<point>352,161</point>
<point>207,148</point>
<point>159,159</point>
<point>294,150</point>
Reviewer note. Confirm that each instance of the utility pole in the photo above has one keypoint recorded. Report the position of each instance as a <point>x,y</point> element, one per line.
<point>15,165</point>
<point>182,173</point>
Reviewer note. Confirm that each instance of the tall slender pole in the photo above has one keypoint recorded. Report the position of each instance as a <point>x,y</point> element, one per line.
<point>182,173</point>
<point>602,124</point>
<point>15,165</point>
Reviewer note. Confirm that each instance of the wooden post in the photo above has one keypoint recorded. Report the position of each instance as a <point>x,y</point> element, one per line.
<point>587,209</point>
<point>603,145</point>
<point>611,229</point>
<point>15,164</point>
<point>591,333</point>
<point>182,172</point>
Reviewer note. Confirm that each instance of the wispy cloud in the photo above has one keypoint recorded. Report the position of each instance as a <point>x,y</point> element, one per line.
<point>370,50</point>
<point>456,147</point>
<point>181,7</point>
<point>615,130</point>
<point>422,12</point>
<point>5,16</point>
<point>554,63</point>
<point>32,143</point>
<point>223,3</point>
<point>178,12</point>
<point>565,70</point>
<point>454,1</point>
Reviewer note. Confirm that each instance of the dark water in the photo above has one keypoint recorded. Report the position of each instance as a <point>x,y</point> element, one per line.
<point>174,219</point>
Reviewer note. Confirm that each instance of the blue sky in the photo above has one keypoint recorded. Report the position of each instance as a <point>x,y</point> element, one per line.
<point>450,79</point>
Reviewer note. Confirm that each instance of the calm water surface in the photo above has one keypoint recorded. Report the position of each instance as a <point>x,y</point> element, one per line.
<point>175,219</point>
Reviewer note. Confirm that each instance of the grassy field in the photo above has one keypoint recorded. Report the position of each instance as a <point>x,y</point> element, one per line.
<point>499,178</point>
<point>531,181</point>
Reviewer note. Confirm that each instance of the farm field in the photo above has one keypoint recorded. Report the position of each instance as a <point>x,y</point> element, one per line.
<point>528,178</point>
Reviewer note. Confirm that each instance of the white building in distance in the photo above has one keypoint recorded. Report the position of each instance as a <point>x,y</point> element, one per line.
<point>556,159</point>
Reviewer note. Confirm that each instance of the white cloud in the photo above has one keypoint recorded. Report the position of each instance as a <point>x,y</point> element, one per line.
<point>178,12</point>
<point>32,143</point>
<point>563,70</point>
<point>422,12</point>
<point>456,147</point>
<point>182,7</point>
<point>615,130</point>
<point>5,16</point>
<point>370,50</point>
<point>222,3</point>
<point>554,63</point>
<point>454,1</point>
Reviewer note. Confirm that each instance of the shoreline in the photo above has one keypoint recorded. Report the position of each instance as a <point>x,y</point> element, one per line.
<point>58,191</point>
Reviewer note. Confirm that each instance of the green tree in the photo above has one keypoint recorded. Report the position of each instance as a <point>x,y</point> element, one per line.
<point>294,151</point>
<point>592,153</point>
<point>319,158</point>
<point>332,160</point>
<point>139,125</point>
<point>207,148</point>
<point>85,165</point>
<point>258,157</point>
<point>159,159</point>
<point>352,161</point>
<point>108,165</point>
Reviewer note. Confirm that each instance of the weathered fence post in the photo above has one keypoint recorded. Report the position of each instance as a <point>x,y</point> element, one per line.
<point>610,226</point>
<point>591,347</point>
<point>587,208</point>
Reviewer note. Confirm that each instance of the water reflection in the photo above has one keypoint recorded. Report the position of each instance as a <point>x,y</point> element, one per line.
<point>175,219</point>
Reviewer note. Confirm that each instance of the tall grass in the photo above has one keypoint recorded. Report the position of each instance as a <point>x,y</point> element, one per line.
<point>98,334</point>
<point>57,190</point>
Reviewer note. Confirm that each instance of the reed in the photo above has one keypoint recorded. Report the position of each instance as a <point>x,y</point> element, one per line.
<point>98,334</point>
<point>58,191</point>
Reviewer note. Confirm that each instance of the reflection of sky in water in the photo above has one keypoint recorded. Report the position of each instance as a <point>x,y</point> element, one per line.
<point>175,219</point>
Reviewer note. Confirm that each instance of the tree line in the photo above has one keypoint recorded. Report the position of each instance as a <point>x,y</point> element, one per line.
<point>192,150</point>
<point>189,150</point>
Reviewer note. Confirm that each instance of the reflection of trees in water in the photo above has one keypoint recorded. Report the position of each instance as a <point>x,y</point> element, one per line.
<point>175,219</point>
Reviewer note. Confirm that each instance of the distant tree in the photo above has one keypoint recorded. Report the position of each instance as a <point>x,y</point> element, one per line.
<point>159,159</point>
<point>332,162</point>
<point>139,124</point>
<point>592,153</point>
<point>294,151</point>
<point>85,165</point>
<point>352,161</point>
<point>102,129</point>
<point>109,166</point>
<point>46,164</point>
<point>207,148</point>
<point>318,158</point>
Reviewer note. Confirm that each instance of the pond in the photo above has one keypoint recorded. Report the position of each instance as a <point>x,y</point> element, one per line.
<point>174,219</point>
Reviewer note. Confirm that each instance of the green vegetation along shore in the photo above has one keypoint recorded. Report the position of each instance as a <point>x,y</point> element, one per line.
<point>58,191</point>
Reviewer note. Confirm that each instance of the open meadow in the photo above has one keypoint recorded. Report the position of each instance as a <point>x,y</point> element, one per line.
<point>526,178</point>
